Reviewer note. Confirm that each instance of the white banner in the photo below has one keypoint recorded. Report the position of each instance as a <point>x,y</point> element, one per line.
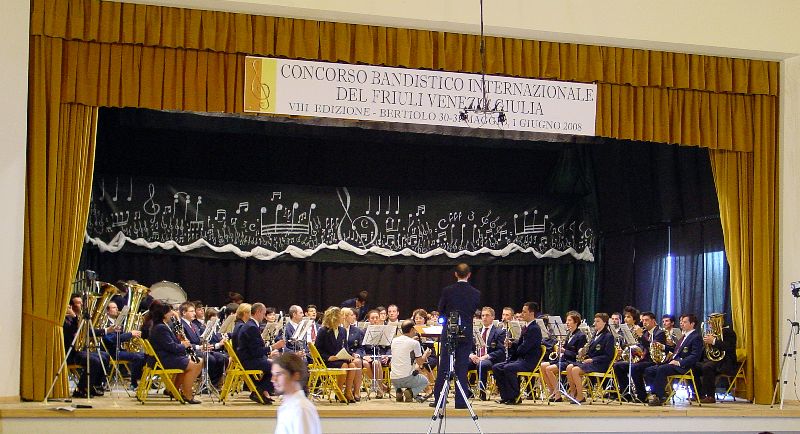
<point>374,93</point>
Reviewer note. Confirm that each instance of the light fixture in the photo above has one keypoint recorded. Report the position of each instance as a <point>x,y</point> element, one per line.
<point>481,112</point>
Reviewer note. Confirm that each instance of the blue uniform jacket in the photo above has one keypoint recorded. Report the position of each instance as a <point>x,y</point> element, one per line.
<point>528,348</point>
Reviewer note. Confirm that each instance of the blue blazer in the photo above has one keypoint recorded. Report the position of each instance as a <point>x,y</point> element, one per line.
<point>250,345</point>
<point>690,351</point>
<point>463,298</point>
<point>658,336</point>
<point>168,347</point>
<point>495,344</point>
<point>354,340</point>
<point>528,349</point>
<point>575,343</point>
<point>328,344</point>
<point>601,351</point>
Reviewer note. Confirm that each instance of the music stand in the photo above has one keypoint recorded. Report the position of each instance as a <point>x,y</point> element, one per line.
<point>480,344</point>
<point>375,336</point>
<point>205,383</point>
<point>629,340</point>
<point>116,375</point>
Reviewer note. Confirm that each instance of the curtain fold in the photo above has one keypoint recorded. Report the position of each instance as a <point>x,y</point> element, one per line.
<point>60,169</point>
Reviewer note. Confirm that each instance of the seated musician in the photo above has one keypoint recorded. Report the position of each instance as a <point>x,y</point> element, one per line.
<point>494,352</point>
<point>688,352</point>
<point>408,354</point>
<point>648,334</point>
<point>522,356</point>
<point>330,339</point>
<point>113,342</point>
<point>616,319</point>
<point>574,341</point>
<point>375,356</point>
<point>358,304</point>
<point>199,321</point>
<point>420,318</point>
<point>253,353</point>
<point>707,370</point>
<point>508,314</point>
<point>631,317</point>
<point>172,352</point>
<point>243,312</point>
<point>97,360</point>
<point>217,361</point>
<point>382,313</point>
<point>353,338</point>
<point>670,332</point>
<point>286,334</point>
<point>599,355</point>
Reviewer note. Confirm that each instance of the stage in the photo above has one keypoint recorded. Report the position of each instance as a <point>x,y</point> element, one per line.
<point>119,414</point>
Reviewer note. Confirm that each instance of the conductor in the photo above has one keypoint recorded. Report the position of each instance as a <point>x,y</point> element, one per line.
<point>463,298</point>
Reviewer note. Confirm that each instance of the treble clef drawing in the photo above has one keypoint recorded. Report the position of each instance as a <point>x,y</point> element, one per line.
<point>259,89</point>
<point>364,230</point>
<point>150,207</point>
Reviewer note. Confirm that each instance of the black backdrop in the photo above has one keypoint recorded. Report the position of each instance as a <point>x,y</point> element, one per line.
<point>637,190</point>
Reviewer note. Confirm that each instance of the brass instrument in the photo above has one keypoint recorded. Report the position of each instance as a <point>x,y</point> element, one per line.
<point>137,293</point>
<point>585,349</point>
<point>714,326</point>
<point>657,353</point>
<point>670,336</point>
<point>177,327</point>
<point>96,306</point>
<point>633,354</point>
<point>553,356</point>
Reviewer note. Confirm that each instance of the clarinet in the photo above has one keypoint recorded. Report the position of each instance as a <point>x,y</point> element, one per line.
<point>177,327</point>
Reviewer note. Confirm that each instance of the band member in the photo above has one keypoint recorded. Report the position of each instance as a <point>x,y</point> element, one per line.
<point>253,353</point>
<point>706,370</point>
<point>199,322</point>
<point>688,352</point>
<point>393,314</point>
<point>420,318</point>
<point>382,313</point>
<point>353,338</point>
<point>482,359</point>
<point>630,315</point>
<point>97,360</point>
<point>115,339</point>
<point>508,314</point>
<point>172,352</point>
<point>376,357</point>
<point>286,334</point>
<point>296,415</point>
<point>311,312</point>
<point>216,361</point>
<point>668,324</point>
<point>358,304</point>
<point>648,334</point>
<point>616,319</point>
<point>459,299</point>
<point>574,341</point>
<point>243,312</point>
<point>523,355</point>
<point>408,352</point>
<point>330,340</point>
<point>599,354</point>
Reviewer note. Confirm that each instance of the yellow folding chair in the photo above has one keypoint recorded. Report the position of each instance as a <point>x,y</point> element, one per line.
<point>686,381</point>
<point>526,378</point>
<point>237,374</point>
<point>472,380</point>
<point>156,370</point>
<point>603,380</point>
<point>322,379</point>
<point>741,358</point>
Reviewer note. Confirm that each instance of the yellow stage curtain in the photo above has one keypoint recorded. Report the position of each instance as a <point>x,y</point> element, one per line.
<point>95,53</point>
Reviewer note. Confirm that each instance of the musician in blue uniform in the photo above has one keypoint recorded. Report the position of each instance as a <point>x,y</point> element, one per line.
<point>575,340</point>
<point>523,355</point>
<point>376,357</point>
<point>358,304</point>
<point>117,337</point>
<point>172,352</point>
<point>482,359</point>
<point>253,352</point>
<point>286,334</point>
<point>97,360</point>
<point>646,335</point>
<point>688,352</point>
<point>599,356</point>
<point>354,336</point>
<point>463,299</point>
<point>217,361</point>
<point>707,370</point>
<point>330,340</point>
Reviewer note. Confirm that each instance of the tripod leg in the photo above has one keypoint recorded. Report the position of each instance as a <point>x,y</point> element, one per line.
<point>780,382</point>
<point>63,363</point>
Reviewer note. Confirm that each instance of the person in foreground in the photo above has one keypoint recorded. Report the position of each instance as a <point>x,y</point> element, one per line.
<point>296,415</point>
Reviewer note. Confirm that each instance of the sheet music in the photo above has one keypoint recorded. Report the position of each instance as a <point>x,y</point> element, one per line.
<point>122,315</point>
<point>301,333</point>
<point>227,325</point>
<point>210,327</point>
<point>270,331</point>
<point>627,335</point>
<point>515,327</point>
<point>378,335</point>
<point>543,326</point>
<point>343,355</point>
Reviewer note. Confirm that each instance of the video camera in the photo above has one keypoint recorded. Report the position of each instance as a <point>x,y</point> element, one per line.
<point>795,288</point>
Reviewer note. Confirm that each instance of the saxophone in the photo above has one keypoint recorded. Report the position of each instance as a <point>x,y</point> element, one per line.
<point>177,327</point>
<point>584,351</point>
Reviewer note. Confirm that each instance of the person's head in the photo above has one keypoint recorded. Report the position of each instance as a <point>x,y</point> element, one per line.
<point>393,313</point>
<point>289,373</point>
<point>374,317</point>
<point>616,318</point>
<point>332,318</point>
<point>630,315</point>
<point>420,317</point>
<point>382,313</point>
<point>508,314</point>
<point>573,319</point>
<point>667,321</point>
<point>211,313</point>
<point>76,303</point>
<point>407,327</point>
<point>648,320</point>
<point>600,321</point>
<point>688,322</point>
<point>187,311</point>
<point>311,312</point>
<point>235,297</point>
<point>160,312</point>
<point>231,308</point>
<point>295,313</point>
<point>361,299</point>
<point>348,316</point>
<point>199,310</point>
<point>270,314</point>
<point>462,271</point>
<point>529,310</point>
<point>243,312</point>
<point>258,311</point>
<point>487,316</point>
<point>112,310</point>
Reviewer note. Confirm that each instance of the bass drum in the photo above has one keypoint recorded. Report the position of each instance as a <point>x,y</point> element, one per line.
<point>168,293</point>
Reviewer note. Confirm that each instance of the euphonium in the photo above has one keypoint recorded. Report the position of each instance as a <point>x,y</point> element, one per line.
<point>715,324</point>
<point>96,306</point>
<point>134,320</point>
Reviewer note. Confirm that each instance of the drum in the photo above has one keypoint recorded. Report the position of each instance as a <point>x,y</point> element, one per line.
<point>168,293</point>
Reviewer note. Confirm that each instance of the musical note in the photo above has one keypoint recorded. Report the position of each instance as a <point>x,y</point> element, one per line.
<point>222,215</point>
<point>379,206</point>
<point>389,207</point>
<point>116,192</point>
<point>369,205</point>
<point>197,207</point>
<point>420,210</point>
<point>274,195</point>
<point>153,208</point>
<point>130,195</point>
<point>243,205</point>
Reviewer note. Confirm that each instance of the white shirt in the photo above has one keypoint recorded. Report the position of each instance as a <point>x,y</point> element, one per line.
<point>297,415</point>
<point>402,365</point>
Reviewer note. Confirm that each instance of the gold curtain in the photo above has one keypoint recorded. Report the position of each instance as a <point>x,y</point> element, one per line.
<point>96,53</point>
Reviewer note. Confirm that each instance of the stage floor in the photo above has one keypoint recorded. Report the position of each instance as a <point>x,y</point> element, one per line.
<point>120,414</point>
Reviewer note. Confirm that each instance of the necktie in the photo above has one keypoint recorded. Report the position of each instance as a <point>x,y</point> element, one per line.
<point>678,348</point>
<point>485,335</point>
<point>313,333</point>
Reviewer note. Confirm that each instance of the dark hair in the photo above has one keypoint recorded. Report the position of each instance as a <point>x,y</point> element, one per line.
<point>371,311</point>
<point>648,314</point>
<point>532,306</point>
<point>293,364</point>
<point>211,313</point>
<point>235,297</point>
<point>311,306</point>
<point>617,314</point>
<point>406,326</point>
<point>633,311</point>
<point>362,296</point>
<point>271,310</point>
<point>462,270</point>
<point>380,308</point>
<point>575,315</point>
<point>420,312</point>
<point>159,311</point>
<point>603,317</point>
<point>671,317</point>
<point>73,297</point>
<point>690,317</point>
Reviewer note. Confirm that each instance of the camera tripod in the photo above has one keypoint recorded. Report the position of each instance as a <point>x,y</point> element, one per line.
<point>439,412</point>
<point>789,353</point>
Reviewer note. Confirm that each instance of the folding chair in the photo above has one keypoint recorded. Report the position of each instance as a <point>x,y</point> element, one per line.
<point>236,375</point>
<point>526,378</point>
<point>603,381</point>
<point>740,376</point>
<point>322,379</point>
<point>157,369</point>
<point>684,380</point>
<point>472,379</point>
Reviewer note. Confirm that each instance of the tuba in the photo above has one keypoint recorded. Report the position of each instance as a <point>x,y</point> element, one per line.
<point>96,306</point>
<point>137,293</point>
<point>714,326</point>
